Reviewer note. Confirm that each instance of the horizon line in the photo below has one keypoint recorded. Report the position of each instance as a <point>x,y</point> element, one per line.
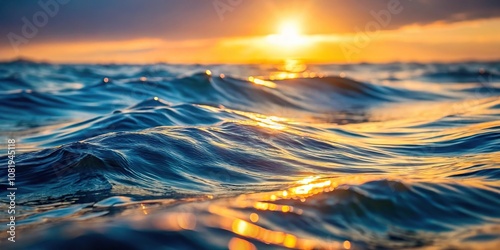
<point>263,62</point>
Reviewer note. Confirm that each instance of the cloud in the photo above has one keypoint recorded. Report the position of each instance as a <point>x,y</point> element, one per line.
<point>97,20</point>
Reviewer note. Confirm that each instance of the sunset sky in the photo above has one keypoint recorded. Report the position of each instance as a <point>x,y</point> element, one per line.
<point>249,31</point>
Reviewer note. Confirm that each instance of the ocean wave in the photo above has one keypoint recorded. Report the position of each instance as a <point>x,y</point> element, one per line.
<point>367,156</point>
<point>332,212</point>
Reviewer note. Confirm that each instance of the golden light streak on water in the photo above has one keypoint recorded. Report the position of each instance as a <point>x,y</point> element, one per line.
<point>240,244</point>
<point>265,83</point>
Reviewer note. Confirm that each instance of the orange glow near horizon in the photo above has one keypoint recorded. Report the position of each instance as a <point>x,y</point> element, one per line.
<point>478,40</point>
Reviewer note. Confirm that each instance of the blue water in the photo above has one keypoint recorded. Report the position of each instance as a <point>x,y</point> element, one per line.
<point>361,156</point>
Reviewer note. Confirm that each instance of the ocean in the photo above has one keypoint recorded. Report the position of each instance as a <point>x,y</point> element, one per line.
<point>274,156</point>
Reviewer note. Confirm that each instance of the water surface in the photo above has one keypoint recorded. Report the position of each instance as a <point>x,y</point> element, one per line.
<point>364,156</point>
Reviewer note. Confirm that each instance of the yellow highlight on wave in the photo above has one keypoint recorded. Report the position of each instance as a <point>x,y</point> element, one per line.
<point>265,83</point>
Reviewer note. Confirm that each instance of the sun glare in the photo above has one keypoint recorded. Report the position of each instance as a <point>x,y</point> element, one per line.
<point>288,35</point>
<point>289,30</point>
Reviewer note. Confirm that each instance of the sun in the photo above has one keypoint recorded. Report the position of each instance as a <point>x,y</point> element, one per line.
<point>289,30</point>
<point>288,35</point>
